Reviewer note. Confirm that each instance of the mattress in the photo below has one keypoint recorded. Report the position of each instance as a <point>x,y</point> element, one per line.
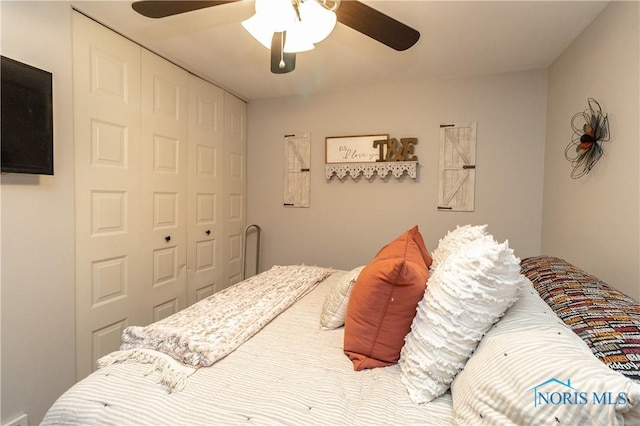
<point>291,372</point>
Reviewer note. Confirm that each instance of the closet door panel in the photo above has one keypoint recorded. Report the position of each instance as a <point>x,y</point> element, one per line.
<point>106,71</point>
<point>163,171</point>
<point>204,230</point>
<point>235,124</point>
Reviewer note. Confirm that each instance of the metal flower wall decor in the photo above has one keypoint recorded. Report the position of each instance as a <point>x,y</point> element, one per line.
<point>590,128</point>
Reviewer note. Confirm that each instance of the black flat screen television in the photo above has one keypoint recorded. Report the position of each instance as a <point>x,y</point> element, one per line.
<point>27,118</point>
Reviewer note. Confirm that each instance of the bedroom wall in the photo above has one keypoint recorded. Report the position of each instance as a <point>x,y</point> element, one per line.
<point>594,221</point>
<point>348,221</point>
<point>37,312</point>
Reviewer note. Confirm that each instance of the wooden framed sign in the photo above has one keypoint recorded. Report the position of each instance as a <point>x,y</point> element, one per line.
<point>353,149</point>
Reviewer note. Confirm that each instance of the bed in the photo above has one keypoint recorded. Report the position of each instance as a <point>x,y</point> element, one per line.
<point>300,366</point>
<point>291,372</point>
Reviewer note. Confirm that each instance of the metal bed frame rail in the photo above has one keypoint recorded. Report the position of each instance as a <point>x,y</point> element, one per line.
<point>244,245</point>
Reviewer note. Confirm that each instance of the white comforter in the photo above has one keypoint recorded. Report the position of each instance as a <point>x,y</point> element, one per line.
<point>291,372</point>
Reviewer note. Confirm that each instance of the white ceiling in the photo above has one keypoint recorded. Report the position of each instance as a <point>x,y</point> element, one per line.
<point>458,38</point>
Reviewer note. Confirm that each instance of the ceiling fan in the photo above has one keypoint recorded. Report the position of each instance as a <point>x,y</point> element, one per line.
<point>351,13</point>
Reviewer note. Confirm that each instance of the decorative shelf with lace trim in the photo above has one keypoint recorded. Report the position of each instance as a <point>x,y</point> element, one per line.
<point>368,170</point>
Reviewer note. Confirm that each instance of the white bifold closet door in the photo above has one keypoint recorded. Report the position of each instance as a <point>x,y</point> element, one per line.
<point>151,207</point>
<point>205,198</point>
<point>163,190</point>
<point>235,186</point>
<point>108,191</point>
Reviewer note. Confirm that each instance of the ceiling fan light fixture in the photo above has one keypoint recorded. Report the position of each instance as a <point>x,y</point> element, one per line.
<point>277,14</point>
<point>259,29</point>
<point>297,39</point>
<point>309,24</point>
<point>272,16</point>
<point>318,21</point>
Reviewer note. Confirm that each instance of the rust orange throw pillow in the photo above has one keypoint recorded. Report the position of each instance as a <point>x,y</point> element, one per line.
<point>384,300</point>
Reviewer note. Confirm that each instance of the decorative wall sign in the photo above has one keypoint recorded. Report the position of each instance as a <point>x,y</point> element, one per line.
<point>297,158</point>
<point>353,149</point>
<point>369,155</point>
<point>396,150</point>
<point>457,168</point>
<point>590,128</point>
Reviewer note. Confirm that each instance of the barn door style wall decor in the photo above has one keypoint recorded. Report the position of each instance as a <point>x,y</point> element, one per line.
<point>297,160</point>
<point>457,168</point>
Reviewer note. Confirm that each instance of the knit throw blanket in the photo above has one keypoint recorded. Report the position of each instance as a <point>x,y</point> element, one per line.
<point>209,330</point>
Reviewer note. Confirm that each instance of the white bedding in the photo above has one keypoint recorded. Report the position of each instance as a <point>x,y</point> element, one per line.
<point>292,372</point>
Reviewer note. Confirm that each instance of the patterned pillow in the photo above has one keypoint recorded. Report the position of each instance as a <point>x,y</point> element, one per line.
<point>531,369</point>
<point>334,309</point>
<point>606,319</point>
<point>467,293</point>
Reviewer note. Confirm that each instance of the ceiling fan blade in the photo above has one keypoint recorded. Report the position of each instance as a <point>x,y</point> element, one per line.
<point>281,61</point>
<point>376,25</point>
<point>162,8</point>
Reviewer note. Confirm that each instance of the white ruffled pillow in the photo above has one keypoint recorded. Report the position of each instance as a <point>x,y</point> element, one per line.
<point>466,294</point>
<point>334,309</point>
<point>454,240</point>
<point>530,368</point>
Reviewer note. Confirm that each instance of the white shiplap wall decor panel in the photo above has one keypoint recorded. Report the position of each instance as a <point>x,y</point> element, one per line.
<point>297,158</point>
<point>457,167</point>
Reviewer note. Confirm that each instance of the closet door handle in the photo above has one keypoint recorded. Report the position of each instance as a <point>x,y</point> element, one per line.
<point>167,238</point>
<point>208,232</point>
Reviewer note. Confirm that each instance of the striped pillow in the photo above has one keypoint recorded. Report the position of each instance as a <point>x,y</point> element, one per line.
<point>530,368</point>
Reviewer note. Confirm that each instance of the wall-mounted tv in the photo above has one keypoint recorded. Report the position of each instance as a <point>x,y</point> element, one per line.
<point>27,118</point>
